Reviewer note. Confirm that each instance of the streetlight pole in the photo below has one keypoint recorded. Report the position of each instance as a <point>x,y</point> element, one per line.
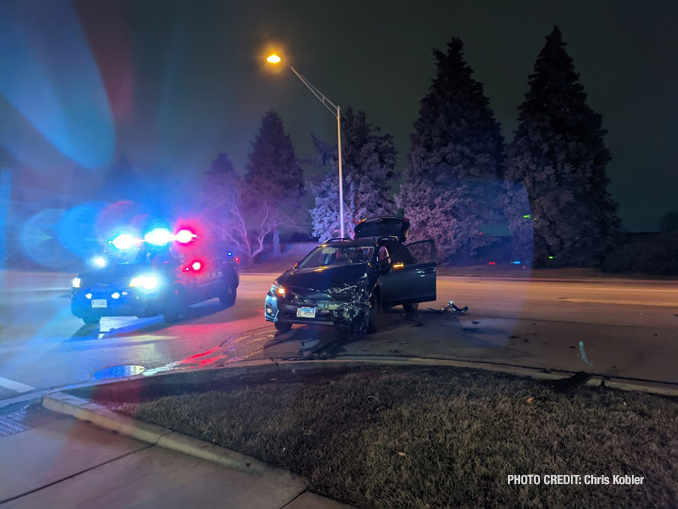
<point>336,111</point>
<point>341,176</point>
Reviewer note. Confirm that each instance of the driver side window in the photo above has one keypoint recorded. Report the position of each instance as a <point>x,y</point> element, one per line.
<point>400,254</point>
<point>383,257</point>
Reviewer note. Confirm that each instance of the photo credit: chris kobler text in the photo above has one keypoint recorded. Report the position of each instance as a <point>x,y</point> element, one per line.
<point>521,479</point>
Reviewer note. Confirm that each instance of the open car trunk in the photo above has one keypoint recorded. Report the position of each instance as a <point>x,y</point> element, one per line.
<point>390,226</point>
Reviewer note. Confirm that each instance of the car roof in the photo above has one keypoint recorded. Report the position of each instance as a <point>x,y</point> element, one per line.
<point>363,241</point>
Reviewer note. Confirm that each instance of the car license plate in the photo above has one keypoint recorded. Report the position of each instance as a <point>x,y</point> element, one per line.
<point>306,312</point>
<point>99,303</point>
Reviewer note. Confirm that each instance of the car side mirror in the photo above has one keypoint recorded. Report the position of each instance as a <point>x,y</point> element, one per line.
<point>296,265</point>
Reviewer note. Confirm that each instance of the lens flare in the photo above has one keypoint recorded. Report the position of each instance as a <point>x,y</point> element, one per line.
<point>159,237</point>
<point>124,241</point>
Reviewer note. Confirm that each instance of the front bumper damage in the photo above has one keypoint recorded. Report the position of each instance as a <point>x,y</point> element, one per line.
<point>346,308</point>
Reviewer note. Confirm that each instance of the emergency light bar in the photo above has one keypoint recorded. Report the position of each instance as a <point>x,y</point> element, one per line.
<point>156,237</point>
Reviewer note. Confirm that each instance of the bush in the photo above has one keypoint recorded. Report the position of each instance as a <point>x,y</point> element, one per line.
<point>648,253</point>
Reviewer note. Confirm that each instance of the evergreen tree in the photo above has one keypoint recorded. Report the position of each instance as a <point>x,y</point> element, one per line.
<point>368,166</point>
<point>274,182</point>
<point>452,182</point>
<point>273,171</point>
<point>556,168</point>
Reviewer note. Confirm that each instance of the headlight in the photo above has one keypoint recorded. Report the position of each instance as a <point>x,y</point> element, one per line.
<point>99,261</point>
<point>76,282</point>
<point>145,282</point>
<point>277,289</point>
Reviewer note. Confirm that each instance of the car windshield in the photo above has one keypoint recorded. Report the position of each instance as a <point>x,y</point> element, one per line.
<point>337,255</point>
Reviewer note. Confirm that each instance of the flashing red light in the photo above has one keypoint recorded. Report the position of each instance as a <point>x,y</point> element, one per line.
<point>237,260</point>
<point>493,263</point>
<point>196,266</point>
<point>185,236</point>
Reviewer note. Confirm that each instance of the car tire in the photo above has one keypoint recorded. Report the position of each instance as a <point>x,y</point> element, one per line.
<point>411,307</point>
<point>283,327</point>
<point>91,320</point>
<point>373,314</point>
<point>227,299</point>
<point>175,306</point>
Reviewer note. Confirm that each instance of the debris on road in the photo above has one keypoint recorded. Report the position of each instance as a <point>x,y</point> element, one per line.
<point>451,307</point>
<point>582,354</point>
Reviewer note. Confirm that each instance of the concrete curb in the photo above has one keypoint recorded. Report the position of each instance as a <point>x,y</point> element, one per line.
<point>103,417</point>
<point>196,376</point>
<point>166,438</point>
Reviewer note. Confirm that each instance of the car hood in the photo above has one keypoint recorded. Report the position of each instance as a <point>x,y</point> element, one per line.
<point>118,273</point>
<point>324,278</point>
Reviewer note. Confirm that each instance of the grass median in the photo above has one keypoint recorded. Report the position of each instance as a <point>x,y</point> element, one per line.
<point>441,437</point>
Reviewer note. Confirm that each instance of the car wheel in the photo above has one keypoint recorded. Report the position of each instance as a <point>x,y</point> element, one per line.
<point>283,327</point>
<point>373,314</point>
<point>228,297</point>
<point>175,306</point>
<point>411,307</point>
<point>91,320</point>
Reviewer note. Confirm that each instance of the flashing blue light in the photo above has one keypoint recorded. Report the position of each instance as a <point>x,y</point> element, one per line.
<point>517,262</point>
<point>229,253</point>
<point>99,261</point>
<point>159,237</point>
<point>124,241</point>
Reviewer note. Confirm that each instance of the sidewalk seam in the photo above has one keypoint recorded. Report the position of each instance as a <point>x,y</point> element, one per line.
<point>75,474</point>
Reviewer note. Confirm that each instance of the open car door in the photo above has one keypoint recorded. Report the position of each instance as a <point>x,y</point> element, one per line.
<point>423,265</point>
<point>409,277</point>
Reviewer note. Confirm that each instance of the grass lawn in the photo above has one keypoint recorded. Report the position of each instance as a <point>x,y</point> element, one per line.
<point>435,437</point>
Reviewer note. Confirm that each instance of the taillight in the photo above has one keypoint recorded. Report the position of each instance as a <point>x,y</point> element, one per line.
<point>237,260</point>
<point>195,266</point>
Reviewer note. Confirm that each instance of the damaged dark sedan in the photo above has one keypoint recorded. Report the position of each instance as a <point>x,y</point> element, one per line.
<point>345,282</point>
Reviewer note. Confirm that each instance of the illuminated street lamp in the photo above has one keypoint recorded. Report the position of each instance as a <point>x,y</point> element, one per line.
<point>336,111</point>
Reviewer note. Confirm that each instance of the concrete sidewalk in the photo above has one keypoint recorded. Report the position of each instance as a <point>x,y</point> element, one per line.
<point>61,462</point>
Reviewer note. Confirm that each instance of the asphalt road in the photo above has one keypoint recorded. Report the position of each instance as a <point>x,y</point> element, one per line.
<point>628,329</point>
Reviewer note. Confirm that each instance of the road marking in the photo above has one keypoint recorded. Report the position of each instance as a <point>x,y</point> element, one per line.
<point>673,290</point>
<point>623,302</point>
<point>14,386</point>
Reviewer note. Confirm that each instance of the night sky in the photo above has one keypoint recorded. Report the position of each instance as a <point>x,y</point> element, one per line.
<point>184,80</point>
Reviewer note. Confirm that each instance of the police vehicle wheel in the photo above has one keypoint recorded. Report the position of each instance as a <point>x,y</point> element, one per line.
<point>411,307</point>
<point>283,327</point>
<point>91,320</point>
<point>228,297</point>
<point>175,307</point>
<point>373,314</point>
